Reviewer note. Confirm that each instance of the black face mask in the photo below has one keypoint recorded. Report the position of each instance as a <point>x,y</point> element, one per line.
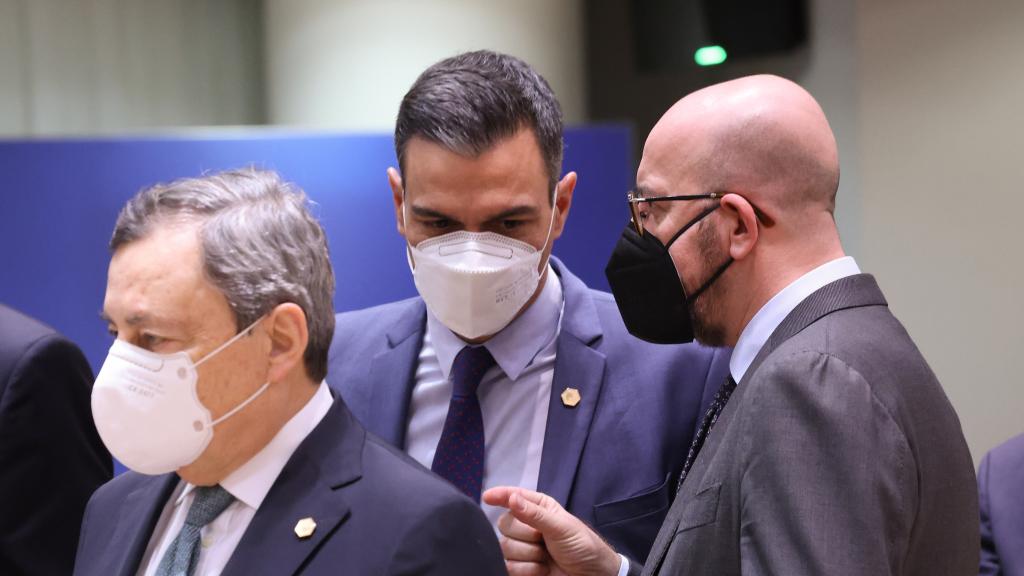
<point>651,299</point>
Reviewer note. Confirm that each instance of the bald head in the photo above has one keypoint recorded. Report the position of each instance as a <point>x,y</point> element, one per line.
<point>763,137</point>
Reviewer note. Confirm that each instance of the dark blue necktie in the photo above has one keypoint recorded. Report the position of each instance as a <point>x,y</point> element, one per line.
<point>460,452</point>
<point>710,417</point>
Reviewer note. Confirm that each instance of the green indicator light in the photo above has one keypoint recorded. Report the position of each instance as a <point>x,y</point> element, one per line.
<point>709,55</point>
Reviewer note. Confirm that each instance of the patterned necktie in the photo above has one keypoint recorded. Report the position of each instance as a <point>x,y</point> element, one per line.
<point>460,452</point>
<point>182,555</point>
<point>710,417</point>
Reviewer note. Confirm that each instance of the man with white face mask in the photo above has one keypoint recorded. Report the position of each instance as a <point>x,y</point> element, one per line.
<point>508,369</point>
<point>220,297</point>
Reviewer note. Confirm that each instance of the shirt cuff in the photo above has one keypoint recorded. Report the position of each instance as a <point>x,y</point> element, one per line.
<point>624,566</point>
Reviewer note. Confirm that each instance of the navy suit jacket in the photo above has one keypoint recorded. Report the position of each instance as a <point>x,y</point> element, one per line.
<point>51,458</point>
<point>615,458</point>
<point>1000,486</point>
<point>376,512</point>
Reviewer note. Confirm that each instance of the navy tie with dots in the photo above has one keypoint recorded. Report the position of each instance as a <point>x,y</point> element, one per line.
<point>710,418</point>
<point>459,457</point>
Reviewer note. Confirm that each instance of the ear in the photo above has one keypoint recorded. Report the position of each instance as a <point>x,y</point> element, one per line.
<point>743,230</point>
<point>289,334</point>
<point>563,201</point>
<point>398,196</point>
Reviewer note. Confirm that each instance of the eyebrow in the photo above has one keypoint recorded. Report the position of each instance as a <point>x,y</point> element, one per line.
<point>514,212</point>
<point>503,215</point>
<point>430,213</point>
<point>642,192</point>
<point>141,318</point>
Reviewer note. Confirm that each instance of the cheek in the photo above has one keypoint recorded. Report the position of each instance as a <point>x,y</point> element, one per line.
<point>226,382</point>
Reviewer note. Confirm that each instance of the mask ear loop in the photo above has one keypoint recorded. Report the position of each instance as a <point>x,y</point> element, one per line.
<point>256,394</point>
<point>231,341</point>
<point>408,246</point>
<point>551,226</point>
<point>699,217</point>
<point>235,410</point>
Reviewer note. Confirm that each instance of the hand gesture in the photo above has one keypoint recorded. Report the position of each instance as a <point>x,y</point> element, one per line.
<point>541,538</point>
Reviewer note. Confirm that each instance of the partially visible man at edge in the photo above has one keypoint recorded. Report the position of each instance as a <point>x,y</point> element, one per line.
<point>51,458</point>
<point>833,449</point>
<point>561,390</point>
<point>220,297</point>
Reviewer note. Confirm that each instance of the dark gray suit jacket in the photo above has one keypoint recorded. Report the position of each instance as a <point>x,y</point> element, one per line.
<point>838,454</point>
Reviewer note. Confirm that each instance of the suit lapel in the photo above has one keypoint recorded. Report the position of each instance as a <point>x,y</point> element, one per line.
<point>139,513</point>
<point>577,365</point>
<point>693,484</point>
<point>392,375</point>
<point>308,487</point>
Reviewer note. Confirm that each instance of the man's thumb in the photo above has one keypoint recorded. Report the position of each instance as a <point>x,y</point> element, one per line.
<point>534,514</point>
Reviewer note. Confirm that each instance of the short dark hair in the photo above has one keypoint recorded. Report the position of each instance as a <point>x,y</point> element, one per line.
<point>469,102</point>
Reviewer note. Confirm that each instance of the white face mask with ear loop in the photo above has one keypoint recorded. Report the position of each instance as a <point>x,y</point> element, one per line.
<point>147,410</point>
<point>476,282</point>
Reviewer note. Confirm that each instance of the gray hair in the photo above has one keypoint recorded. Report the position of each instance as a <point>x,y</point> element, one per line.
<point>471,101</point>
<point>261,247</point>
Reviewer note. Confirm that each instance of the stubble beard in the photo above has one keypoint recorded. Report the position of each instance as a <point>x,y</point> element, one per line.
<point>707,312</point>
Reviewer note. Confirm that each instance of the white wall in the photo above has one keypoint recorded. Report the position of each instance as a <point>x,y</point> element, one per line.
<point>346,64</point>
<point>78,67</point>
<point>942,172</point>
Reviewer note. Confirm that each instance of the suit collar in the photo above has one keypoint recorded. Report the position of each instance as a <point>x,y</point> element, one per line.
<point>578,365</point>
<point>392,374</point>
<point>760,327</point>
<point>308,487</point>
<point>409,323</point>
<point>849,292</point>
<point>581,319</point>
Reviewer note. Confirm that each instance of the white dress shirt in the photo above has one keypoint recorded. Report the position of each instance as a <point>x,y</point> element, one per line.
<point>249,485</point>
<point>514,394</point>
<point>768,318</point>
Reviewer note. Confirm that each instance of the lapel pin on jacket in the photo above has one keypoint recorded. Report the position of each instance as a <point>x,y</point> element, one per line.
<point>304,528</point>
<point>570,397</point>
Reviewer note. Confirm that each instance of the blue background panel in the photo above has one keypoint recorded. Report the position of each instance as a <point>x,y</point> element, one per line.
<point>60,200</point>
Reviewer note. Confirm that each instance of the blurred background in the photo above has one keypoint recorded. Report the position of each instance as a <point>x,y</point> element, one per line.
<point>925,98</point>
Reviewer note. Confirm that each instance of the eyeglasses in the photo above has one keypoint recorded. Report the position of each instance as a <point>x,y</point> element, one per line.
<point>635,201</point>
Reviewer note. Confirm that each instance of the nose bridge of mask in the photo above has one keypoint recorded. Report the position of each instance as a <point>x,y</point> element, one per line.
<point>140,357</point>
<point>447,251</point>
<point>475,244</point>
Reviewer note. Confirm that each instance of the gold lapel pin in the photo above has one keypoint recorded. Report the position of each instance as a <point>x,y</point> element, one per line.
<point>570,397</point>
<point>304,528</point>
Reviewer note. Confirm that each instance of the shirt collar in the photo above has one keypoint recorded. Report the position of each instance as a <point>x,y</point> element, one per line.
<point>516,345</point>
<point>768,318</point>
<point>251,482</point>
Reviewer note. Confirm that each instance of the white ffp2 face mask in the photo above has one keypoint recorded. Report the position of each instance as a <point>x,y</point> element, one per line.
<point>147,410</point>
<point>476,282</point>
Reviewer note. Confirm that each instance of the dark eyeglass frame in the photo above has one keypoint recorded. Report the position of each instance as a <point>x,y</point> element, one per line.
<point>635,201</point>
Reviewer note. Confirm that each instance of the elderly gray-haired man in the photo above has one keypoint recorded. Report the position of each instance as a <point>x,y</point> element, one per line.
<point>219,294</point>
